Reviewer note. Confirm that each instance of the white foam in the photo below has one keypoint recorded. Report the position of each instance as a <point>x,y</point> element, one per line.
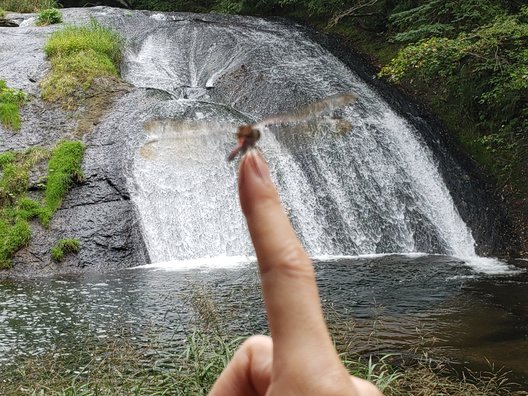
<point>483,265</point>
<point>203,263</point>
<point>159,17</point>
<point>489,265</point>
<point>367,256</point>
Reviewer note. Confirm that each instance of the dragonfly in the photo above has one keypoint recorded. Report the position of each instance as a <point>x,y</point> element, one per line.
<point>249,134</point>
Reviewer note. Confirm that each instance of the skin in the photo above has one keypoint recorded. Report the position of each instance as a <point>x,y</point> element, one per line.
<point>299,357</point>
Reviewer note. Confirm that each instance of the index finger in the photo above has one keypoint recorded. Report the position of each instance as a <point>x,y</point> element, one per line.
<point>288,281</point>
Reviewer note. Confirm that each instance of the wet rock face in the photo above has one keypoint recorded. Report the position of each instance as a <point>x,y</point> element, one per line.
<point>98,211</point>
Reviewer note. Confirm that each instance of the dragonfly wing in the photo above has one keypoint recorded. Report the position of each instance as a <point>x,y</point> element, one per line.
<point>311,110</point>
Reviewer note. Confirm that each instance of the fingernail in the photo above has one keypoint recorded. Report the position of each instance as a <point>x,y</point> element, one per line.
<point>258,165</point>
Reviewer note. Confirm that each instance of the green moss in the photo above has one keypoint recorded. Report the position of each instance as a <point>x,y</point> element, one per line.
<point>27,5</point>
<point>64,168</point>
<point>14,228</point>
<point>6,158</point>
<point>63,247</point>
<point>10,102</point>
<point>14,237</point>
<point>49,17</point>
<point>16,208</point>
<point>78,55</point>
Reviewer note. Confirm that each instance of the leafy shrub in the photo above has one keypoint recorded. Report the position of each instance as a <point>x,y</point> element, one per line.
<point>443,18</point>
<point>64,246</point>
<point>49,17</point>
<point>484,74</point>
<point>2,13</point>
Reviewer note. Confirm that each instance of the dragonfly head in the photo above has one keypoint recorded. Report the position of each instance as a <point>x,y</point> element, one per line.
<point>247,136</point>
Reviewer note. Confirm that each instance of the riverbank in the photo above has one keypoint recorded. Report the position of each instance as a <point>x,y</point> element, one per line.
<point>127,362</point>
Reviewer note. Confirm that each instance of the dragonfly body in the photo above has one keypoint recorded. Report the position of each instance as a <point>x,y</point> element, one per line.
<point>247,137</point>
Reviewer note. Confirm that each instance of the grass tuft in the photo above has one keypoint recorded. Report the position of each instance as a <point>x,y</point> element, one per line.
<point>64,168</point>
<point>49,17</point>
<point>27,5</point>
<point>80,54</point>
<point>63,247</point>
<point>14,237</point>
<point>10,101</point>
<point>6,158</point>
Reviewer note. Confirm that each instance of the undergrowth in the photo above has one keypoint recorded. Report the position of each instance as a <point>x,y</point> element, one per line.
<point>78,55</point>
<point>49,17</point>
<point>10,102</point>
<point>27,5</point>
<point>16,208</point>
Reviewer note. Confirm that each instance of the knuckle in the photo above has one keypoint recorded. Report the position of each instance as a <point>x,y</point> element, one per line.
<point>257,343</point>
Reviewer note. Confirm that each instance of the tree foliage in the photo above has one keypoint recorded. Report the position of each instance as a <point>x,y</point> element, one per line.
<point>485,72</point>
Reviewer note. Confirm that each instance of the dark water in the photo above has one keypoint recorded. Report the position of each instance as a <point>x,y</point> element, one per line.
<point>394,300</point>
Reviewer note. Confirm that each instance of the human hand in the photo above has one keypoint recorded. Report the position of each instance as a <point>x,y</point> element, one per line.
<point>300,358</point>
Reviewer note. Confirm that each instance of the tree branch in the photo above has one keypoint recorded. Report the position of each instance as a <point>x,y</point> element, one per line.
<point>352,12</point>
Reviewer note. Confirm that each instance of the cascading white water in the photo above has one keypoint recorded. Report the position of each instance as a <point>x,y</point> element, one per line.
<point>358,180</point>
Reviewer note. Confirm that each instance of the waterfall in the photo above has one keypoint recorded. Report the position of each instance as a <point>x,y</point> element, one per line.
<point>355,180</point>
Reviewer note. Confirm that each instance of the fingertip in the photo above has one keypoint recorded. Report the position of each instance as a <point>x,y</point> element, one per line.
<point>254,182</point>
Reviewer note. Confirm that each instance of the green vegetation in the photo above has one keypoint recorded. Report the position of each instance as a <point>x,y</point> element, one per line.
<point>2,13</point>
<point>64,168</point>
<point>16,208</point>
<point>64,246</point>
<point>49,17</point>
<point>27,5</point>
<point>10,102</point>
<point>80,54</point>
<point>475,70</point>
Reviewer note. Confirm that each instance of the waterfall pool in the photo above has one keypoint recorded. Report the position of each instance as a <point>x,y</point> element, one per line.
<point>394,300</point>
